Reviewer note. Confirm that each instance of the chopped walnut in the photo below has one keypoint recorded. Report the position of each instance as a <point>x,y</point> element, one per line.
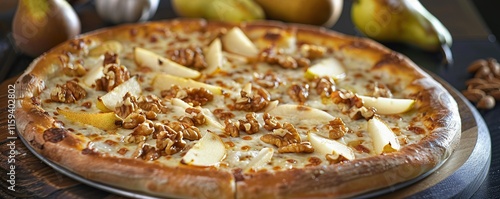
<point>110,58</point>
<point>114,75</point>
<point>253,103</point>
<point>73,70</point>
<point>298,93</point>
<point>151,103</point>
<point>133,120</point>
<point>336,128</point>
<point>188,131</point>
<point>143,129</point>
<point>191,57</point>
<point>379,90</point>
<point>68,93</point>
<point>128,106</point>
<point>268,80</point>
<point>195,96</point>
<point>335,158</point>
<point>352,105</point>
<point>147,152</point>
<point>272,56</point>
<point>283,136</point>
<point>169,140</point>
<point>250,125</point>
<point>271,122</point>
<point>197,117</point>
<point>324,86</point>
<point>303,147</point>
<point>232,128</point>
<point>312,51</point>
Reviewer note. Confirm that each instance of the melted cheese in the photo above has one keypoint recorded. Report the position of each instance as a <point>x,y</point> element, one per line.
<point>236,73</point>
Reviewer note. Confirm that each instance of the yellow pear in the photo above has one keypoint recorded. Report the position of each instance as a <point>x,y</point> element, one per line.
<point>315,12</point>
<point>105,121</point>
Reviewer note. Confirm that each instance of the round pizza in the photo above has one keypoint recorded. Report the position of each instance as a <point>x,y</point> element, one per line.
<point>191,108</point>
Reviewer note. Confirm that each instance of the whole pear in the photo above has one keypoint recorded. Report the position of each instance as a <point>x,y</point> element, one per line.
<point>405,21</point>
<point>42,24</point>
<point>224,10</point>
<point>315,12</point>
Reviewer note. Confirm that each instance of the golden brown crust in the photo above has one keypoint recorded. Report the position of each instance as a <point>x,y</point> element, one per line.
<point>438,110</point>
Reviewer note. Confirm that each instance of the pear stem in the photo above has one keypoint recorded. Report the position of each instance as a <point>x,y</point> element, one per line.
<point>447,55</point>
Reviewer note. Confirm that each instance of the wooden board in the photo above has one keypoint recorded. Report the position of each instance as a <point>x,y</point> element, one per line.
<point>461,175</point>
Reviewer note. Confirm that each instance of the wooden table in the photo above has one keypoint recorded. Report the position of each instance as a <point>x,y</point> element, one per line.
<point>471,42</point>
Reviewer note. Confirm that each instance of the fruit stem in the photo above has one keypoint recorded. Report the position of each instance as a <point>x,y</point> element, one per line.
<point>447,55</point>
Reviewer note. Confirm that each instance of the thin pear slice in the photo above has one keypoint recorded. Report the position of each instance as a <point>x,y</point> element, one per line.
<point>93,74</point>
<point>329,146</point>
<point>237,42</point>
<point>214,57</point>
<point>110,100</point>
<point>208,151</point>
<point>156,62</point>
<point>384,140</point>
<point>263,157</point>
<point>209,116</point>
<point>164,81</point>
<point>330,67</point>
<point>386,106</point>
<point>105,121</point>
<point>301,114</point>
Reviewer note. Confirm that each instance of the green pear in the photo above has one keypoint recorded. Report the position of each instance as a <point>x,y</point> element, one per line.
<point>40,25</point>
<point>404,21</point>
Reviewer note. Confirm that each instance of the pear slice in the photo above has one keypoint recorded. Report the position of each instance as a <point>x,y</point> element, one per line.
<point>329,146</point>
<point>208,151</point>
<point>164,81</point>
<point>105,121</point>
<point>263,157</point>
<point>386,106</point>
<point>301,114</point>
<point>330,67</point>
<point>384,140</point>
<point>209,116</point>
<point>214,57</point>
<point>156,62</point>
<point>110,100</point>
<point>237,42</point>
<point>93,74</point>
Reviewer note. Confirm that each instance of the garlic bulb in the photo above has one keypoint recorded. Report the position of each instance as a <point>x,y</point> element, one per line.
<point>126,11</point>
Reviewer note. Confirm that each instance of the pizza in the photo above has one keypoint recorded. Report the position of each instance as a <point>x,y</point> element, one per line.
<point>189,108</point>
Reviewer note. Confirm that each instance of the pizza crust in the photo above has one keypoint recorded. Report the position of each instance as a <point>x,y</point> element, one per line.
<point>340,180</point>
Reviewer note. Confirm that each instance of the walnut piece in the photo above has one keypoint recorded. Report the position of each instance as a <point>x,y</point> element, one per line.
<point>250,125</point>
<point>188,131</point>
<point>194,96</point>
<point>192,57</point>
<point>303,147</point>
<point>273,56</point>
<point>169,140</point>
<point>73,70</point>
<point>283,136</point>
<point>268,80</point>
<point>114,75</point>
<point>232,128</point>
<point>110,58</point>
<point>271,122</point>
<point>68,93</point>
<point>311,51</point>
<point>379,90</point>
<point>298,93</point>
<point>335,158</point>
<point>133,120</point>
<point>324,86</point>
<point>253,103</point>
<point>336,128</point>
<point>352,105</point>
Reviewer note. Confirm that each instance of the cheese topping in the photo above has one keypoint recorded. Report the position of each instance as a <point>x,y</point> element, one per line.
<point>262,108</point>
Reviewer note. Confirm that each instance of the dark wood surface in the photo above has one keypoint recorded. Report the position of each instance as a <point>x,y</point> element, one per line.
<point>472,40</point>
